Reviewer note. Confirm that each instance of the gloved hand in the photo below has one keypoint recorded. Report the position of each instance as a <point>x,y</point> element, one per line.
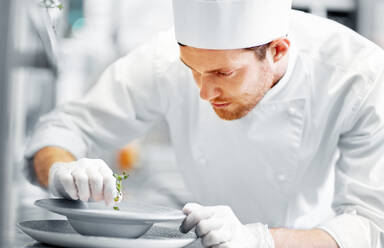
<point>218,227</point>
<point>83,179</point>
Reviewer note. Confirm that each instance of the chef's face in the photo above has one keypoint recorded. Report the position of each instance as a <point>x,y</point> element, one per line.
<point>233,81</point>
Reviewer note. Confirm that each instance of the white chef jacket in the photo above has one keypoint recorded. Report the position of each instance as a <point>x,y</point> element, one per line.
<point>310,154</point>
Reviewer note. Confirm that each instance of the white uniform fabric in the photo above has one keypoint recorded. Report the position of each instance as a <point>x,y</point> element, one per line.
<point>310,154</point>
<point>230,24</point>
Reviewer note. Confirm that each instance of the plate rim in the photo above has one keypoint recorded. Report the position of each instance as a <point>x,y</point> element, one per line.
<point>163,241</point>
<point>108,214</point>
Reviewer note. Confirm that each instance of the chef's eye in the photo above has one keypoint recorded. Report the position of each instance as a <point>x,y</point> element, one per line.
<point>224,74</point>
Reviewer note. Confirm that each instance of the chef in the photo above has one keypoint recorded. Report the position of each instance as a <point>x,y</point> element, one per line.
<point>276,118</point>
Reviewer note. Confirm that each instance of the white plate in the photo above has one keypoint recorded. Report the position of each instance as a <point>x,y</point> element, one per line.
<point>95,219</point>
<point>60,233</point>
<point>133,212</point>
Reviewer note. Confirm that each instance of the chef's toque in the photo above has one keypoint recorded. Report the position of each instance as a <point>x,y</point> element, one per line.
<point>230,24</point>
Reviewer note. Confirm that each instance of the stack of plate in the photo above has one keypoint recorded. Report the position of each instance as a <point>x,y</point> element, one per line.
<point>135,225</point>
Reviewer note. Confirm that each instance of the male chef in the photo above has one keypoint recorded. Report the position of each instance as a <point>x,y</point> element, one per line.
<point>276,118</point>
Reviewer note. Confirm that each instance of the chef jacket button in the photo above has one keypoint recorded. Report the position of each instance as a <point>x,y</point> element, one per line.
<point>292,111</point>
<point>281,177</point>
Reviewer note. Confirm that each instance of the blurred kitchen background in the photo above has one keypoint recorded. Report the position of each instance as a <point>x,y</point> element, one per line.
<point>52,52</point>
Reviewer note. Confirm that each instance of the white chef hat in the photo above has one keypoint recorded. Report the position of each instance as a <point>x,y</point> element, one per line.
<point>230,24</point>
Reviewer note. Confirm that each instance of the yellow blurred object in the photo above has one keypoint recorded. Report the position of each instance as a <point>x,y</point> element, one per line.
<point>128,157</point>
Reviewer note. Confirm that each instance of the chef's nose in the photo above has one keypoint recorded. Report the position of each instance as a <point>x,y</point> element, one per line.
<point>208,89</point>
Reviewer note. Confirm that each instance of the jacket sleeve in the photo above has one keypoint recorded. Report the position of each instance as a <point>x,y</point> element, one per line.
<point>359,188</point>
<point>122,105</point>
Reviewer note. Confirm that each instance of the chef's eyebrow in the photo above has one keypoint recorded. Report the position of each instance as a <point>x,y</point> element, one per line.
<point>211,71</point>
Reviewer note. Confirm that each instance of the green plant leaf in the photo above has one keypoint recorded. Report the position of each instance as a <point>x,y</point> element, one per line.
<point>119,180</point>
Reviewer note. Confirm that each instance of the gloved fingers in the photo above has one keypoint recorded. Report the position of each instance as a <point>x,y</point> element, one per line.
<point>208,225</point>
<point>110,191</point>
<point>195,214</point>
<point>109,185</point>
<point>95,183</point>
<point>215,237</point>
<point>82,183</point>
<point>102,166</point>
<point>64,178</point>
<point>54,184</point>
<point>190,207</point>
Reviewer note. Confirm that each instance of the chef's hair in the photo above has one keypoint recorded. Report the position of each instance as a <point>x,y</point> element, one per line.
<point>260,51</point>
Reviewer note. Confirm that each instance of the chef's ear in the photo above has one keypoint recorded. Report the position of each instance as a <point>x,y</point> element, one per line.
<point>279,48</point>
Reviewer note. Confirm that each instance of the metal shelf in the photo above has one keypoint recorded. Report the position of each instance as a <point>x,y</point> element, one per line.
<point>342,11</point>
<point>334,5</point>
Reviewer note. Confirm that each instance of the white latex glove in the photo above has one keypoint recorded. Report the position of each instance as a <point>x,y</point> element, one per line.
<point>83,179</point>
<point>218,227</point>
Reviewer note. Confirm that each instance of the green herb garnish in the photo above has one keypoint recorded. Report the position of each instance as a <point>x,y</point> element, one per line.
<point>119,180</point>
<point>50,4</point>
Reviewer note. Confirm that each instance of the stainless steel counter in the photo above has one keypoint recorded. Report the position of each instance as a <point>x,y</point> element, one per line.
<point>15,237</point>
